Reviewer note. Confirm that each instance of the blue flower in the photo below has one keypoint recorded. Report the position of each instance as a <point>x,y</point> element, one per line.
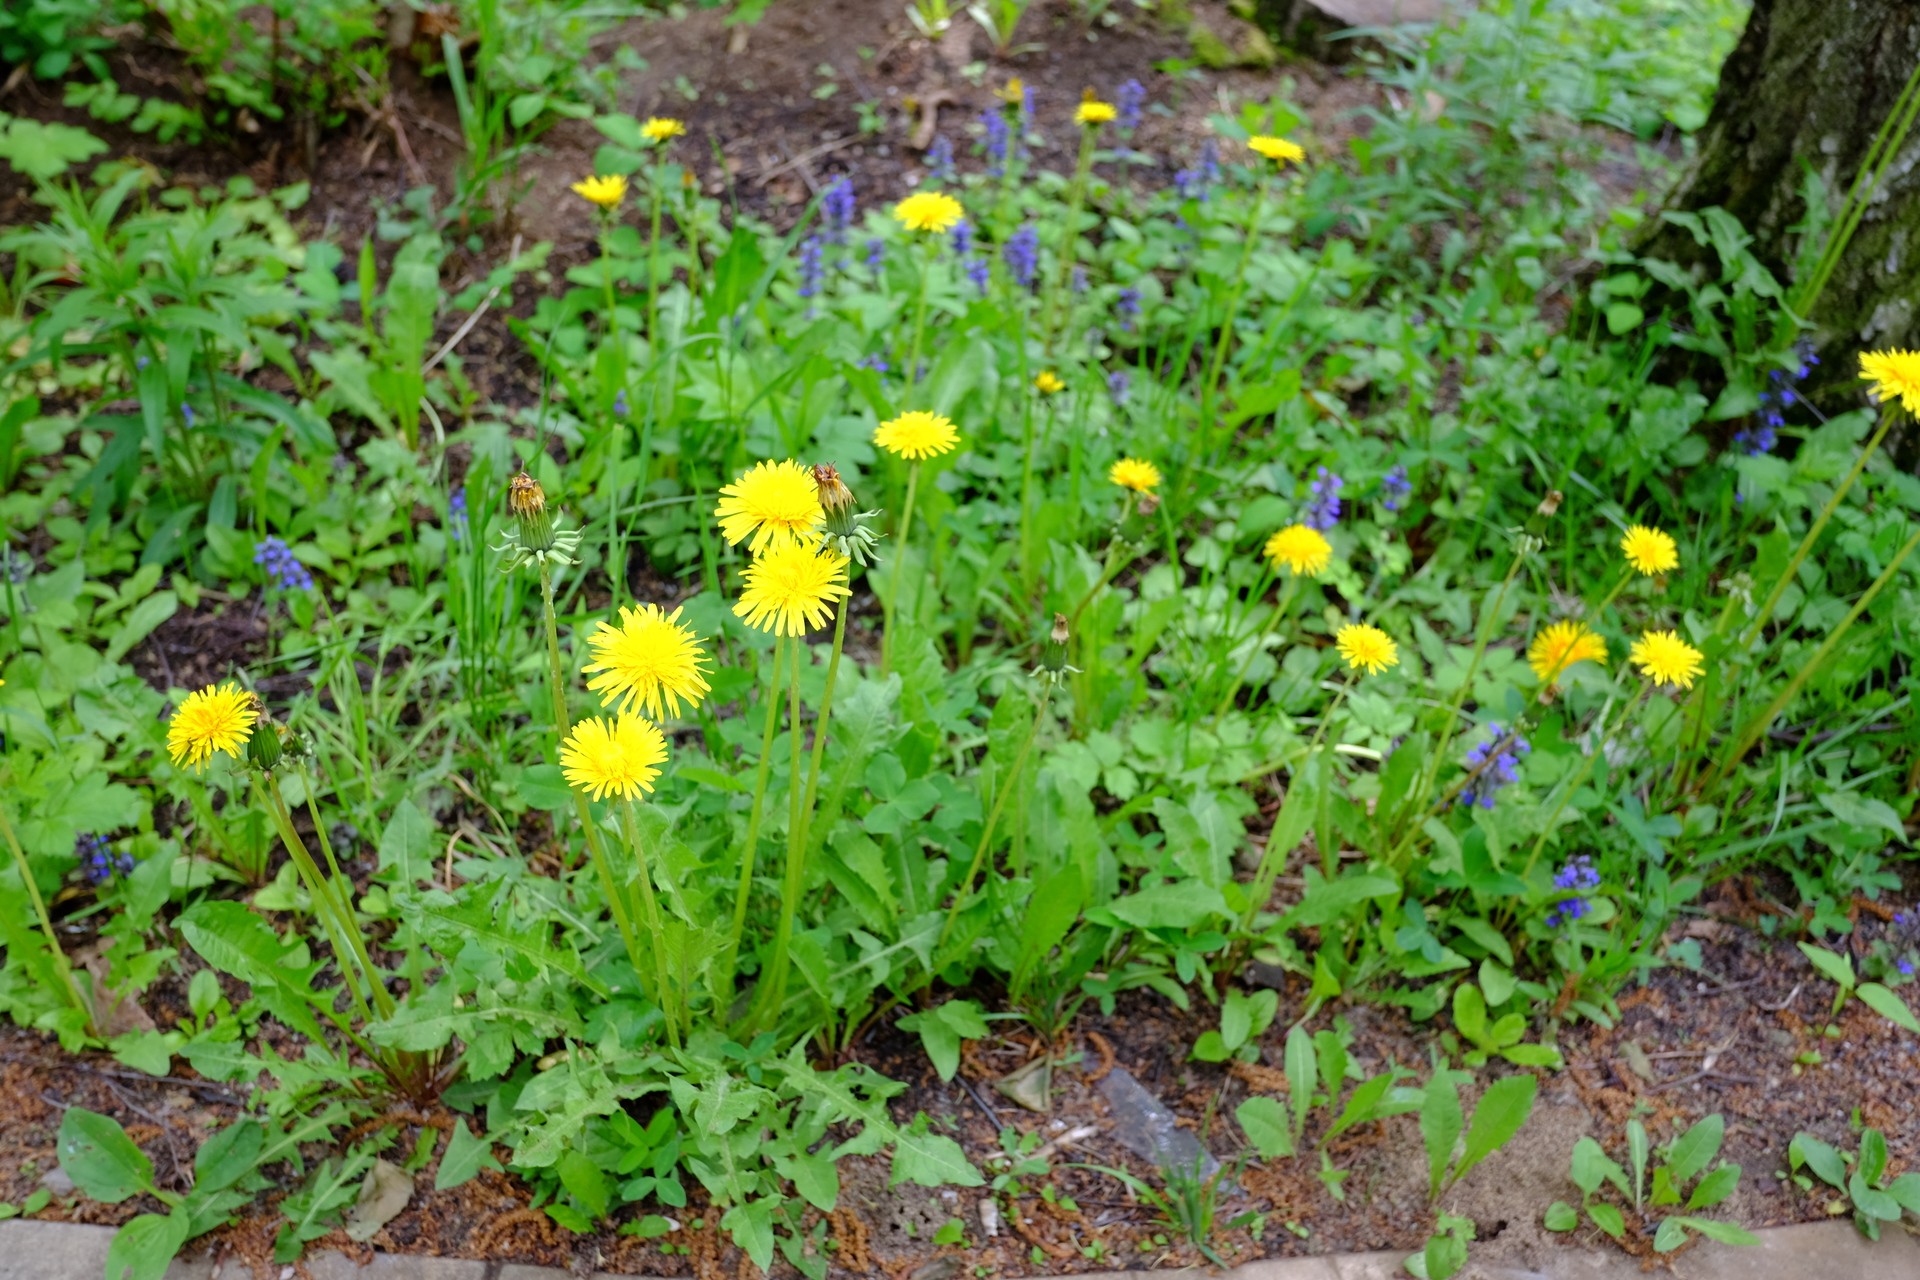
<point>940,169</point>
<point>1126,308</point>
<point>962,234</point>
<point>999,142</point>
<point>978,272</point>
<point>812,266</point>
<point>1496,761</point>
<point>619,404</point>
<point>1323,510</point>
<point>876,254</point>
<point>1576,876</point>
<point>457,504</point>
<point>1195,183</point>
<point>1395,488</point>
<point>1128,100</point>
<point>98,859</point>
<point>877,363</point>
<point>837,207</point>
<point>1905,967</point>
<point>1078,280</point>
<point>186,411</point>
<point>1022,255</point>
<point>277,558</point>
<point>1118,385</point>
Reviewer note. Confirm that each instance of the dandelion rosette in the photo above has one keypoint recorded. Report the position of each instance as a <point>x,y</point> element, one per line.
<point>1895,375</point>
<point>1562,644</point>
<point>916,435</point>
<point>1300,549</point>
<point>1136,474</point>
<point>217,718</point>
<point>1366,648</point>
<point>1664,658</point>
<point>1649,551</point>
<point>1279,150</point>
<point>774,504</point>
<point>618,757</point>
<point>928,211</point>
<point>659,129</point>
<point>649,662</point>
<point>792,589</point>
<point>607,192</point>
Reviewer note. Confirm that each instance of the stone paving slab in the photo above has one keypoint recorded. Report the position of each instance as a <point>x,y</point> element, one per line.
<point>32,1250</point>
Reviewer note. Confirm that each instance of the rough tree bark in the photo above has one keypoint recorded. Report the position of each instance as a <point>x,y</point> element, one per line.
<point>1808,87</point>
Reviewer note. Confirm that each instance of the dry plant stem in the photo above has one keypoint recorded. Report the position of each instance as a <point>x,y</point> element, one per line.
<point>993,816</point>
<point>672,1003</point>
<point>1765,611</point>
<point>893,588</point>
<point>54,953</point>
<point>596,848</point>
<point>1758,725</point>
<point>755,814</point>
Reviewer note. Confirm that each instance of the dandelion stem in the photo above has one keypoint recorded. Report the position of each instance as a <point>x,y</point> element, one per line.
<point>1001,793</point>
<point>653,247</point>
<point>773,989</point>
<point>1579,779</point>
<point>911,374</point>
<point>329,902</point>
<point>1765,612</point>
<point>672,1006</point>
<point>1804,670</point>
<point>893,588</point>
<point>754,814</point>
<point>619,433</point>
<point>596,848</point>
<point>1217,366</point>
<point>1280,607</point>
<point>55,955</point>
<point>820,725</point>
<point>1069,234</point>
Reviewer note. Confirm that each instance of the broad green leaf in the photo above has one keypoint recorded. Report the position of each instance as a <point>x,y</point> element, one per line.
<point>584,1180</point>
<point>1695,1149</point>
<point>1724,1232</point>
<point>100,1158</point>
<point>1873,1156</point>
<point>931,1160</point>
<point>941,1030</point>
<point>227,1156</point>
<point>1300,1067</point>
<point>1715,1187</point>
<point>1670,1235</point>
<point>750,1223</point>
<point>1503,1108</point>
<point>1592,1166</point>
<point>1561,1216</point>
<point>145,1246</point>
<point>1827,1164</point>
<point>1888,1004</point>
<point>464,1158</point>
<point>1837,968</point>
<point>1608,1219</point>
<point>1873,1203</point>
<point>1265,1124</point>
<point>1441,1121</point>
<point>1905,1191</point>
<point>1470,1013</point>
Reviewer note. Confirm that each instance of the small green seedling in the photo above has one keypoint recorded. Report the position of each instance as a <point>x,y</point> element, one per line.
<point>1681,1165</point>
<point>1876,996</point>
<point>1876,1197</point>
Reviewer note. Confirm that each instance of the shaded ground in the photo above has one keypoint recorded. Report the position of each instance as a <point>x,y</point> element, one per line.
<point>1740,1038</point>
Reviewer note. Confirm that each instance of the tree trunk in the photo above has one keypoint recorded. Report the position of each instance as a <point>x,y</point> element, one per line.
<point>1808,87</point>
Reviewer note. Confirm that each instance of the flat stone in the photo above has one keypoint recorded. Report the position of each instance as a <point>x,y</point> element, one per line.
<point>401,1266</point>
<point>34,1250</point>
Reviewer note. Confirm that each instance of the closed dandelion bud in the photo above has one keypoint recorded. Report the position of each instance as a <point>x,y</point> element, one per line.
<point>1147,503</point>
<point>1550,505</point>
<point>533,538</point>
<point>264,746</point>
<point>1053,653</point>
<point>844,531</point>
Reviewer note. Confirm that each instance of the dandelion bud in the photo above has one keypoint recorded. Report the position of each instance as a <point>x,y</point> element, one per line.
<point>1550,505</point>
<point>845,531</point>
<point>263,748</point>
<point>1146,503</point>
<point>533,538</point>
<point>1053,653</point>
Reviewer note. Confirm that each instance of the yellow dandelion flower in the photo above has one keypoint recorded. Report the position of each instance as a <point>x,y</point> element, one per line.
<point>649,662</point>
<point>1649,551</point>
<point>1136,474</point>
<point>1664,658</point>
<point>1014,93</point>
<point>1094,111</point>
<point>917,434</point>
<point>791,589</point>
<point>1367,648</point>
<point>605,192</point>
<point>1895,375</point>
<point>774,504</point>
<point>1561,645</point>
<point>1277,149</point>
<point>660,129</point>
<point>214,719</point>
<point>1301,548</point>
<point>928,211</point>
<point>617,757</point>
<point>1048,383</point>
